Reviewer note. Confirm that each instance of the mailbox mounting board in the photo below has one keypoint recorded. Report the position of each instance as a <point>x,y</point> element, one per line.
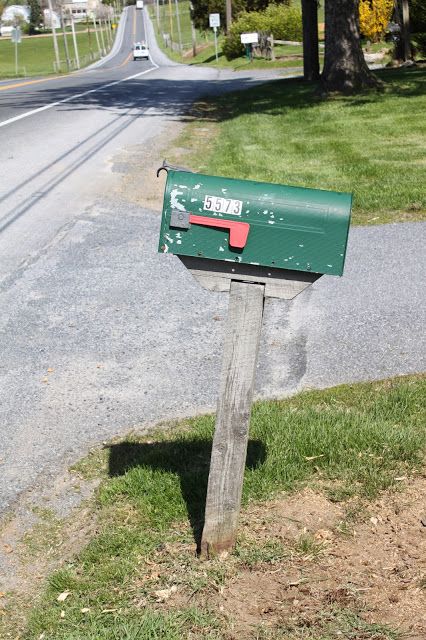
<point>255,223</point>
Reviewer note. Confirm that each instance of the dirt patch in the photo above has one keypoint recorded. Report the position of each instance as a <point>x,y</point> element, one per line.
<point>308,512</point>
<point>139,164</point>
<point>45,530</point>
<point>376,568</point>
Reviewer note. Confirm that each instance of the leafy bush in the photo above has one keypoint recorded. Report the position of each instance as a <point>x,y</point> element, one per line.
<point>285,23</point>
<point>374,16</point>
<point>201,9</point>
<point>419,40</point>
<point>418,25</point>
<point>418,16</point>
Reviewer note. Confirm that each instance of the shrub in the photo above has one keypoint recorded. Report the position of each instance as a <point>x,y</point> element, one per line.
<point>418,25</point>
<point>419,41</point>
<point>374,16</point>
<point>284,22</point>
<point>418,16</point>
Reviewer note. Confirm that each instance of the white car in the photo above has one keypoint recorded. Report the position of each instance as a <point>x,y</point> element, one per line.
<point>140,51</point>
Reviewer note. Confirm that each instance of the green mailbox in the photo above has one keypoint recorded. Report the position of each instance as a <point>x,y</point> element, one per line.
<point>254,223</point>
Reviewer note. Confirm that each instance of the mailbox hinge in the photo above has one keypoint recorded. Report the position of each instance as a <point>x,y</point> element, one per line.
<point>166,166</point>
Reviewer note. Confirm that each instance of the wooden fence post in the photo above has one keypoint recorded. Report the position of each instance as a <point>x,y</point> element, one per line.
<point>230,440</point>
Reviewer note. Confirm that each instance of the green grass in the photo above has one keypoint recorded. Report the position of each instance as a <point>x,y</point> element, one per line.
<point>370,144</point>
<point>36,54</point>
<point>205,44</point>
<point>168,24</point>
<point>365,436</point>
<point>287,56</point>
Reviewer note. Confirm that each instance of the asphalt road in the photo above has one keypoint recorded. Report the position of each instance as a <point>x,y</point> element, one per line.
<point>98,332</point>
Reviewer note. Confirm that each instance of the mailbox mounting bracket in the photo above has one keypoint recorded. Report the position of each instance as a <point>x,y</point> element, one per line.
<point>217,275</point>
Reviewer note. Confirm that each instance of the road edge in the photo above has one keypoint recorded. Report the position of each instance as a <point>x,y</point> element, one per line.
<point>118,41</point>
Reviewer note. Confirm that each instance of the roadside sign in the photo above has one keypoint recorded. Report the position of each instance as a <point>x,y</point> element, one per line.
<point>214,20</point>
<point>249,38</point>
<point>16,35</point>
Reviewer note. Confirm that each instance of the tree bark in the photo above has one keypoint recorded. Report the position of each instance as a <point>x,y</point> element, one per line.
<point>405,31</point>
<point>311,70</point>
<point>228,8</point>
<point>345,69</point>
<point>402,52</point>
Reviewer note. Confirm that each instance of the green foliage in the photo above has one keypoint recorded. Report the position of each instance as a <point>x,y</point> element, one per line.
<point>419,40</point>
<point>418,25</point>
<point>327,142</point>
<point>284,22</point>
<point>35,16</point>
<point>362,435</point>
<point>418,16</point>
<point>202,8</point>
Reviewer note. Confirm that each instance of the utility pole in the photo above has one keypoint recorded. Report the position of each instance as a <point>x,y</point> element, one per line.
<point>97,36</point>
<point>111,33</point>
<point>67,53</point>
<point>178,26</point>
<point>55,41</point>
<point>88,35</point>
<point>74,39</point>
<point>107,32</point>
<point>157,5</point>
<point>102,37</point>
<point>193,32</point>
<point>171,20</point>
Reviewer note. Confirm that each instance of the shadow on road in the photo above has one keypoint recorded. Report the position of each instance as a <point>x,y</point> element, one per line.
<point>173,97</point>
<point>189,459</point>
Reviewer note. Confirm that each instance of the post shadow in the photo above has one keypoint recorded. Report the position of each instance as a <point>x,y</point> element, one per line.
<point>189,459</point>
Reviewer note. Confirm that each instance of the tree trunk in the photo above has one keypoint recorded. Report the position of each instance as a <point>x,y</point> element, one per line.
<point>310,40</point>
<point>405,31</point>
<point>228,8</point>
<point>402,52</point>
<point>345,69</point>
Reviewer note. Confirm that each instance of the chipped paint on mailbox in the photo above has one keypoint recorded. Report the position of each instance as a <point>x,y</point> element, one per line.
<point>255,223</point>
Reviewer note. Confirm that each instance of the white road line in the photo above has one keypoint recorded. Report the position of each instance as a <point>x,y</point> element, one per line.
<point>75,96</point>
<point>78,95</point>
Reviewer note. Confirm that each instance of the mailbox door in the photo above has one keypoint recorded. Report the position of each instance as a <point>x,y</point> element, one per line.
<point>255,223</point>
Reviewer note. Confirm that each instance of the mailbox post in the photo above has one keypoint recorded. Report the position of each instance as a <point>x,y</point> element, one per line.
<point>254,240</point>
<point>249,39</point>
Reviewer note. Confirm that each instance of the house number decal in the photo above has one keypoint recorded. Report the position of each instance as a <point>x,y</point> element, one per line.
<point>223,205</point>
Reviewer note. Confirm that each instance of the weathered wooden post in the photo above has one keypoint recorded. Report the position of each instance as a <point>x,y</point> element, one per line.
<point>230,441</point>
<point>254,240</point>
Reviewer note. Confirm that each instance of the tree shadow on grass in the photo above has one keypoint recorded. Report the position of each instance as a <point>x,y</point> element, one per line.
<point>276,97</point>
<point>189,459</point>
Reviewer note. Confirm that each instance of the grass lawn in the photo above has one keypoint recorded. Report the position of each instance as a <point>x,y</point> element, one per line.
<point>286,56</point>
<point>371,144</point>
<point>349,443</point>
<point>205,44</point>
<point>36,54</point>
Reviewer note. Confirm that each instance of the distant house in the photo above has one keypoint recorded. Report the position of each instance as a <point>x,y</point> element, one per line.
<point>80,9</point>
